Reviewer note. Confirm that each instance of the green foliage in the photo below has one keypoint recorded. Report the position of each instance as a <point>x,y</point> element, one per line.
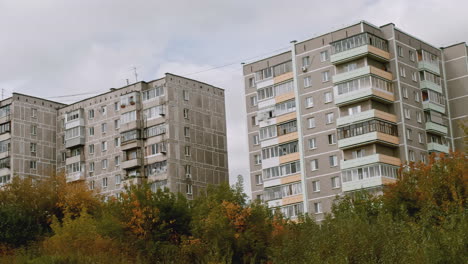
<point>419,219</point>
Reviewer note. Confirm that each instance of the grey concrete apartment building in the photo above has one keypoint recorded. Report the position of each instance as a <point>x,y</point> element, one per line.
<point>342,111</point>
<point>170,132</point>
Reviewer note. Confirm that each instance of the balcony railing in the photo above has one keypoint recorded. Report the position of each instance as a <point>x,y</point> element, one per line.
<point>367,127</point>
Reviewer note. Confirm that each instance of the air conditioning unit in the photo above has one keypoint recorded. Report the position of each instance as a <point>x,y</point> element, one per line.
<point>304,68</point>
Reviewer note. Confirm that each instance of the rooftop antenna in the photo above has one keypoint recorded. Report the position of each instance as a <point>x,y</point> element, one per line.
<point>136,74</point>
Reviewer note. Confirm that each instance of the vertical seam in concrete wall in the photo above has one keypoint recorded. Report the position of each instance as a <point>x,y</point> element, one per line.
<point>299,128</point>
<point>405,143</point>
<point>449,116</point>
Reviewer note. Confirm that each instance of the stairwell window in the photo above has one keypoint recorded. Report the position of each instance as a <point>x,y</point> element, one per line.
<point>325,76</point>
<point>187,151</point>
<point>33,130</point>
<point>324,56</point>
<point>33,164</point>
<point>33,148</point>
<point>189,189</point>
<point>328,97</point>
<point>307,81</point>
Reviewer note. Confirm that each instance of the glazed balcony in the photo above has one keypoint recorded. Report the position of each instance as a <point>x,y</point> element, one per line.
<point>430,105</point>
<point>430,66</point>
<point>74,159</point>
<point>368,138</point>
<point>357,46</point>
<point>437,147</point>
<point>368,177</point>
<point>371,159</point>
<point>367,132</point>
<point>359,72</point>
<point>366,115</point>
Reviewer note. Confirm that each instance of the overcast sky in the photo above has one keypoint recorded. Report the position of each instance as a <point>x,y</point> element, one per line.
<point>50,48</point>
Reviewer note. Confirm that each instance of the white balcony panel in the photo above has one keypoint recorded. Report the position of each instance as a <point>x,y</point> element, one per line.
<point>271,162</point>
<point>264,83</point>
<point>269,142</point>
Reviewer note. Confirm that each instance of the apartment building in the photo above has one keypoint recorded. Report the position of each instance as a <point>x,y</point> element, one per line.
<point>170,132</point>
<point>27,137</point>
<point>342,111</point>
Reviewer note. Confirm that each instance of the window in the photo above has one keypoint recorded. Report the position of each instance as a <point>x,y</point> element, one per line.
<point>257,159</point>
<point>309,102</point>
<point>117,141</point>
<point>91,166</point>
<point>411,155</point>
<point>335,182</point>
<point>283,170</point>
<point>318,207</point>
<point>354,110</point>
<point>330,117</point>
<point>155,130</point>
<point>104,164</point>
<point>358,153</point>
<point>268,132</point>
<point>117,160</point>
<point>260,197</point>
<point>408,133</point>
<point>324,56</point>
<point>407,113</point>
<point>332,139</point>
<point>287,128</point>
<point>33,164</point>
<point>186,113</point>
<point>419,117</point>
<point>328,97</point>
<point>282,68</point>
<point>423,157</point>
<point>157,168</point>
<point>187,132</point>
<point>116,106</point>
<point>118,179</point>
<point>400,51</point>
<point>411,55</point>
<point>420,138</point>
<point>265,93</point>
<point>254,120</point>
<point>325,76</point>
<point>185,95</point>
<point>156,148</point>
<point>154,112</point>
<point>188,171</point>
<point>312,143</point>
<point>74,132</point>
<point>33,148</point>
<point>251,82</point>
<point>350,67</point>
<point>256,139</point>
<point>270,152</point>
<point>104,182</point>
<point>311,122</point>
<point>307,81</point>
<point>33,130</point>
<point>104,110</point>
<point>258,179</point>
<point>128,117</point>
<point>405,92</point>
<point>253,100</point>
<point>414,76</point>
<point>187,151</point>
<point>153,93</point>
<point>91,149</point>
<point>402,71</point>
<point>103,127</point>
<point>305,61</point>
<point>34,112</point>
<point>91,131</point>
<point>314,164</point>
<point>189,189</point>
<point>104,145</point>
<point>333,161</point>
<point>117,124</point>
<point>130,135</point>
<point>91,185</point>
<point>417,97</point>
<point>316,186</point>
<point>91,114</point>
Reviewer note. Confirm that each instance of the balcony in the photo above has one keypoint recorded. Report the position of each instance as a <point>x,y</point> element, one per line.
<point>74,159</point>
<point>436,128</point>
<point>366,70</point>
<point>358,52</point>
<point>368,138</point>
<point>75,176</point>
<point>431,86</point>
<point>436,147</point>
<point>74,142</point>
<point>133,163</point>
<point>372,182</point>
<point>429,105</point>
<point>75,123</point>
<point>133,180</point>
<point>369,114</point>
<point>367,160</point>
<point>429,66</point>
